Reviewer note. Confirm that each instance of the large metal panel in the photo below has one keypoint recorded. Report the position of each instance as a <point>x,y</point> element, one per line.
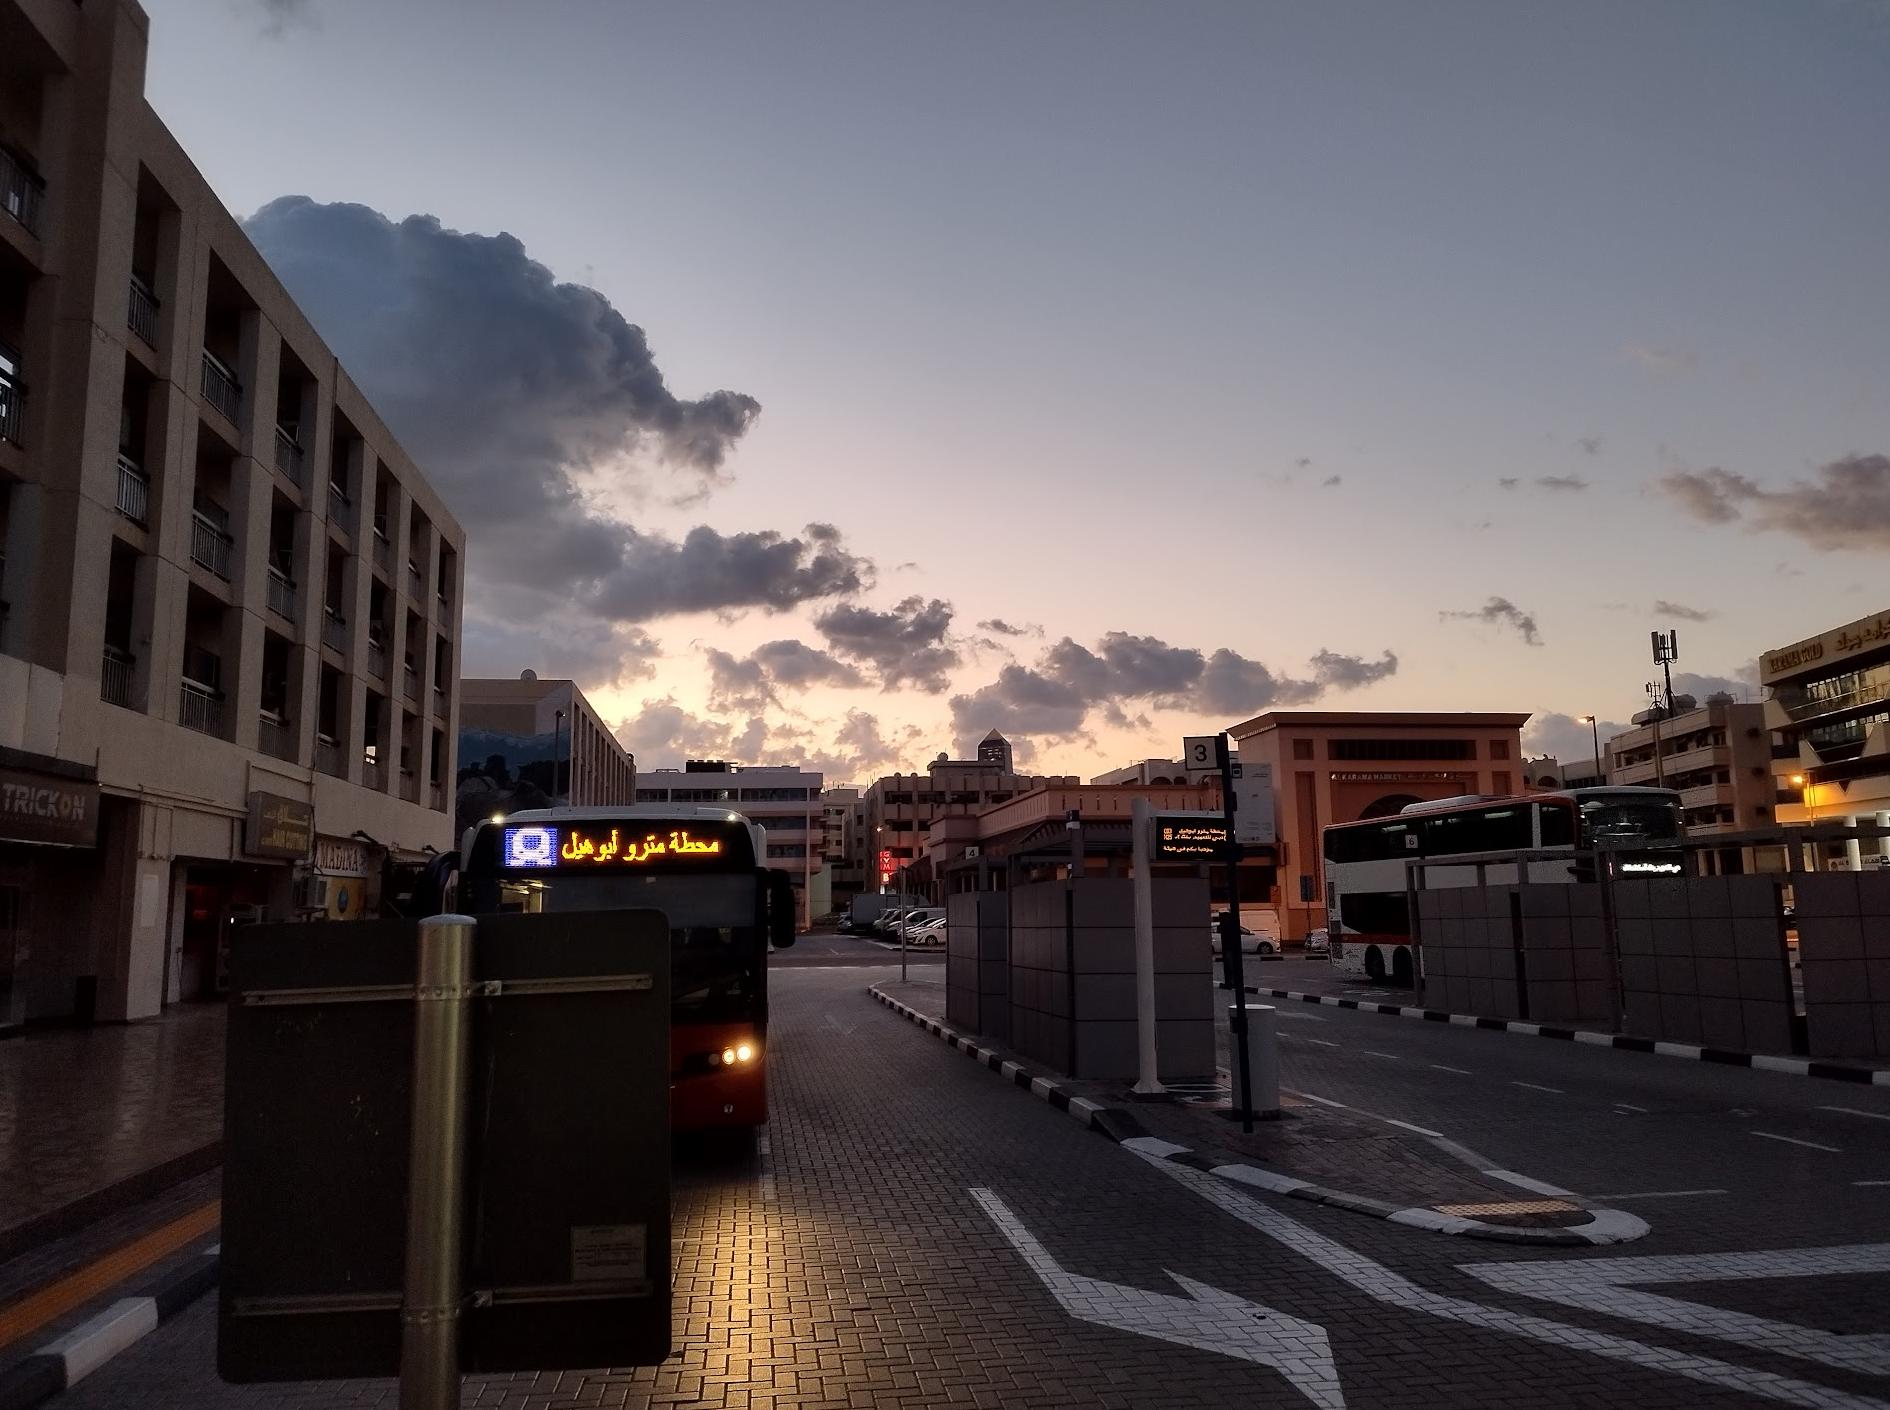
<point>567,1225</point>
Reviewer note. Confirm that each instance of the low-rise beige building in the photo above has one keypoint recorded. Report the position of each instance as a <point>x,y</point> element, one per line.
<point>1718,756</point>
<point>231,603</point>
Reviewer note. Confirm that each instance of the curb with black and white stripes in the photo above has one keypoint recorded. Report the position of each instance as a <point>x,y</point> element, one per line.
<point>62,1364</point>
<point>1608,1226</point>
<point>1764,1062</point>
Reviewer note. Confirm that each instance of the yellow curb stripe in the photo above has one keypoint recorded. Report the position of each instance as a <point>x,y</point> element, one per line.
<point>56,1299</point>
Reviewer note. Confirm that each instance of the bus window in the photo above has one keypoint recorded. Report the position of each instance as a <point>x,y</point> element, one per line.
<point>1629,820</point>
<point>1558,824</point>
<point>1482,830</point>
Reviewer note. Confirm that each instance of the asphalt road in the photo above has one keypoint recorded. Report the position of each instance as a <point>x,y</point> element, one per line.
<point>920,1232</point>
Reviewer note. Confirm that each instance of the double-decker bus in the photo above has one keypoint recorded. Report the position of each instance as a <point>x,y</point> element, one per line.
<point>703,868</point>
<point>1368,917</point>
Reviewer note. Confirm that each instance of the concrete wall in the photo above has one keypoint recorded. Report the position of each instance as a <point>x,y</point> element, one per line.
<point>977,963</point>
<point>1703,960</point>
<point>1844,951</point>
<point>1534,952</point>
<point>1099,997</point>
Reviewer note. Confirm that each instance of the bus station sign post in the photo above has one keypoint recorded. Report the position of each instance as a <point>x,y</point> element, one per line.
<point>372,1226</point>
<point>1230,934</point>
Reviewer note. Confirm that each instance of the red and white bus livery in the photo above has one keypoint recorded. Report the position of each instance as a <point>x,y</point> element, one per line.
<point>1367,907</point>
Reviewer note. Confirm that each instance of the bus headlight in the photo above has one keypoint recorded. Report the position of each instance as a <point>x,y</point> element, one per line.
<point>728,1057</point>
<point>745,1053</point>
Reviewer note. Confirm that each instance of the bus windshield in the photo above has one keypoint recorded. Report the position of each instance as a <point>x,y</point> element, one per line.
<point>1627,820</point>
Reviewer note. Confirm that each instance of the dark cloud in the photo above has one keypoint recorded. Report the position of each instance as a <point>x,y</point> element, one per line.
<point>1680,611</point>
<point>907,646</point>
<point>1055,697</point>
<point>1844,505</point>
<point>1566,737</point>
<point>1562,484</point>
<point>853,749</point>
<point>1742,685</point>
<point>1591,445</point>
<point>1303,461</point>
<point>752,682</point>
<point>281,16</point>
<point>526,402</point>
<point>1500,611</point>
<point>1508,482</point>
<point>1004,628</point>
<point>594,654</point>
<point>664,735</point>
<point>1332,480</point>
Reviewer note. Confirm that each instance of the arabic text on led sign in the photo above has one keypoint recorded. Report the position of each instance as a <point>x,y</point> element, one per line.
<point>575,846</point>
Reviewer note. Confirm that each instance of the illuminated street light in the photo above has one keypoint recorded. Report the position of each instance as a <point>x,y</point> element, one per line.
<point>1594,730</point>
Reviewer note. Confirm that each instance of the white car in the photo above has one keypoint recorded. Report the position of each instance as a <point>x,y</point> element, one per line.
<point>918,916</point>
<point>929,932</point>
<point>1251,942</point>
<point>1318,942</point>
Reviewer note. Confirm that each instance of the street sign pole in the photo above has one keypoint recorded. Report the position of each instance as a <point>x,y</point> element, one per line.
<point>1142,820</point>
<point>442,1067</point>
<point>1230,933</point>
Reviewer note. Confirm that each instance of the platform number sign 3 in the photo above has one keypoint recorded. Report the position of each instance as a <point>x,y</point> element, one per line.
<point>1198,754</point>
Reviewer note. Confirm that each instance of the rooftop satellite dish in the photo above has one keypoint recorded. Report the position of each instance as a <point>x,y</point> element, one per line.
<point>528,674</point>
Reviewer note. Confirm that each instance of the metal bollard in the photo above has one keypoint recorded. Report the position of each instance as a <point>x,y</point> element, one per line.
<point>442,1066</point>
<point>1263,1057</point>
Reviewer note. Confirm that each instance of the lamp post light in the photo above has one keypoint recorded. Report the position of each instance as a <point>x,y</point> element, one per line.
<point>1594,730</point>
<point>1806,795</point>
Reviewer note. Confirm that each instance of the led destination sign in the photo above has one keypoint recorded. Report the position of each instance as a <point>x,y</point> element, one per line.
<point>1189,839</point>
<point>546,847</point>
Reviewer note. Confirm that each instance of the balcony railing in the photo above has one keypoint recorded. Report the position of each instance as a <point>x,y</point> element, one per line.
<point>200,708</point>
<point>142,312</point>
<point>12,399</point>
<point>410,682</point>
<point>288,456</point>
<point>373,775</point>
<point>340,507</point>
<point>376,659</point>
<point>115,673</point>
<point>383,552</point>
<point>22,194</point>
<point>281,593</point>
<point>275,735</point>
<point>328,755</point>
<point>134,490</point>
<point>220,387</point>
<point>209,545</point>
<point>334,629</point>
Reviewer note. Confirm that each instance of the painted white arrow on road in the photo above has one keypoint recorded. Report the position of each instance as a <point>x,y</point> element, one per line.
<point>1207,1318</point>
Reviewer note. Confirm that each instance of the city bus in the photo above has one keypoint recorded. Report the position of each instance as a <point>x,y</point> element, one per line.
<point>1367,909</point>
<point>704,869</point>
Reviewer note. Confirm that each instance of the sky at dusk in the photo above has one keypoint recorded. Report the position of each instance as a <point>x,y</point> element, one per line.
<point>838,381</point>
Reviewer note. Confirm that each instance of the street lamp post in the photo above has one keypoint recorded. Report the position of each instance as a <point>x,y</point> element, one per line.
<point>1805,787</point>
<point>1595,731</point>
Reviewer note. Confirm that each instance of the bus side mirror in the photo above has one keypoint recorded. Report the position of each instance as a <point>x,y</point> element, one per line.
<point>781,910</point>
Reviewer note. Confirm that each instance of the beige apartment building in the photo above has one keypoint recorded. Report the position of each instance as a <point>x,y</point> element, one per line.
<point>1719,758</point>
<point>783,798</point>
<point>524,734</point>
<point>231,603</point>
<point>1828,706</point>
<point>897,810</point>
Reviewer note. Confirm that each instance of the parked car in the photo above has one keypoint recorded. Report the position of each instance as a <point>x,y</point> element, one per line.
<point>1318,942</point>
<point>888,923</point>
<point>1251,942</point>
<point>930,932</point>
<point>910,922</point>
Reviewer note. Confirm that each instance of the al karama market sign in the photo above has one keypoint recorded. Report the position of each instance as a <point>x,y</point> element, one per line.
<point>35,807</point>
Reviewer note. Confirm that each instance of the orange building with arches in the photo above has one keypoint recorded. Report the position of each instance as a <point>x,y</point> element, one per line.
<point>1340,766</point>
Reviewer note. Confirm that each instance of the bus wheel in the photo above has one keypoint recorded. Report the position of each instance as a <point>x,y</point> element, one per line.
<point>1401,969</point>
<point>1375,965</point>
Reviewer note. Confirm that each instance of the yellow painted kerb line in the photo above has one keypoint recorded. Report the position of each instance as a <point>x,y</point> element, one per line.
<point>53,1301</point>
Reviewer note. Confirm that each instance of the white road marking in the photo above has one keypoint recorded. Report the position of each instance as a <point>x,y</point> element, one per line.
<point>1460,1071</point>
<point>1664,1194</point>
<point>1870,1182</point>
<point>1794,1141</point>
<point>1407,1126</point>
<point>1323,1043</point>
<point>1370,1053</point>
<point>1601,1285</point>
<point>1381,1284</point>
<point>1853,1111</point>
<point>1206,1319</point>
<point>1629,1106</point>
<point>1323,1101</point>
<point>1538,1087</point>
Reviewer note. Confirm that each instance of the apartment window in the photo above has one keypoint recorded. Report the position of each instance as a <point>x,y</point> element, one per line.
<point>1499,748</point>
<point>1302,749</point>
<point>1401,749</point>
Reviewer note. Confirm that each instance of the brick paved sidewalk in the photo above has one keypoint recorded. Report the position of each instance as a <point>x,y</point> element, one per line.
<point>91,1117</point>
<point>1327,1147</point>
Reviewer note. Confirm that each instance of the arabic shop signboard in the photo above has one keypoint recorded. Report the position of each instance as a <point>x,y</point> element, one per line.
<point>45,808</point>
<point>542,847</point>
<point>1184,837</point>
<point>278,826</point>
<point>1865,634</point>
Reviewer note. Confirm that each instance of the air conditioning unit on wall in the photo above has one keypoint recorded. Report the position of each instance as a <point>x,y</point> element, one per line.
<point>313,893</point>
